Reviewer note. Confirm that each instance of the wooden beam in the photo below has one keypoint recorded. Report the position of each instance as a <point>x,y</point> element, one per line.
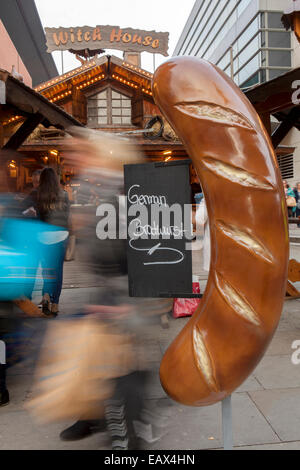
<point>23,132</point>
<point>285,126</point>
<point>291,292</point>
<point>266,120</point>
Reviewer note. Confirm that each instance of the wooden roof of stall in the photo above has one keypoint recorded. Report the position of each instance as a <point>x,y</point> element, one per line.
<point>89,74</point>
<point>17,96</point>
<point>21,105</point>
<point>273,97</point>
<point>276,97</point>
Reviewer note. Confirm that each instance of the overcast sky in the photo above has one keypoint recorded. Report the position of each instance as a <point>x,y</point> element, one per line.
<point>160,15</point>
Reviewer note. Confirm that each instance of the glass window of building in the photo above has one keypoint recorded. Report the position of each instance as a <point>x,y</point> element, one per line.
<point>238,31</point>
<point>249,69</point>
<point>121,108</point>
<point>280,39</point>
<point>97,109</point>
<point>274,20</point>
<point>242,6</point>
<point>247,53</point>
<point>279,58</point>
<point>251,81</point>
<point>109,107</point>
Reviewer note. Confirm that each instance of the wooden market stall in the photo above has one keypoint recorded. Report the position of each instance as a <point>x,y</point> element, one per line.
<point>113,95</point>
<point>22,110</point>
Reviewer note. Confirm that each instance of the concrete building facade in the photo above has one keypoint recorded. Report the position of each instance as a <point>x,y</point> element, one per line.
<point>247,40</point>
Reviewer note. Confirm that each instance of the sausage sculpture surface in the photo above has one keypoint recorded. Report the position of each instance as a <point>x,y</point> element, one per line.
<point>232,154</point>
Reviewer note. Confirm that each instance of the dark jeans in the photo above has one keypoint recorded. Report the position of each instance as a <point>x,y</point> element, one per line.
<point>124,407</point>
<point>52,270</point>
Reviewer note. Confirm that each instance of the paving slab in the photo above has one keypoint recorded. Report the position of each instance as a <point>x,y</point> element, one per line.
<point>249,385</point>
<point>293,314</point>
<point>201,428</point>
<point>18,431</point>
<point>282,446</point>
<point>277,372</point>
<point>281,409</point>
<point>282,342</point>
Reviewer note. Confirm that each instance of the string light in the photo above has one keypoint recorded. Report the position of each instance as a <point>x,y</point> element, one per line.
<point>60,97</point>
<point>148,92</point>
<point>83,85</point>
<point>84,67</point>
<point>122,80</point>
<point>144,72</point>
<point>12,119</point>
<point>64,76</point>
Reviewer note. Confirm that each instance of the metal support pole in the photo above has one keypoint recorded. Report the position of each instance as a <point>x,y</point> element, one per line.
<point>153,63</point>
<point>227,423</point>
<point>62,62</point>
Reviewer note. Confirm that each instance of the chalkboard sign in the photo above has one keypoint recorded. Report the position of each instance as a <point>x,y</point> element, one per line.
<point>159,218</point>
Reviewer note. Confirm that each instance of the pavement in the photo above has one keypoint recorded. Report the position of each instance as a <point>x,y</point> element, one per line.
<point>266,408</point>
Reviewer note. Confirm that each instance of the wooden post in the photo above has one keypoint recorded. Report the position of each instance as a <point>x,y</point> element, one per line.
<point>285,126</point>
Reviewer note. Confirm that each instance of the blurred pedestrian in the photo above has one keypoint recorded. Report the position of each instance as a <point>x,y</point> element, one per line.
<point>296,190</point>
<point>53,207</point>
<point>290,199</point>
<point>105,253</point>
<point>29,203</point>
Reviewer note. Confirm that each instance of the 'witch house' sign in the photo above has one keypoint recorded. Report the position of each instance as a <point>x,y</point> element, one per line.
<point>106,37</point>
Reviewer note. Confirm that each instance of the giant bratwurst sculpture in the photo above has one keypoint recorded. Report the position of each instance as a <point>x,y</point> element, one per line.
<point>234,159</point>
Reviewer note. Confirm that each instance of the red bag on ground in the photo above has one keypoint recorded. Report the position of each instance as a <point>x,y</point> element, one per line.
<point>186,307</point>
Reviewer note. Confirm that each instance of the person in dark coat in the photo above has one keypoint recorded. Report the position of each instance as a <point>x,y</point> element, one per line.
<point>53,207</point>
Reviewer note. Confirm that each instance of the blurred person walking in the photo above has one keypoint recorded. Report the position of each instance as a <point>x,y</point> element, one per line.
<point>53,207</point>
<point>296,190</point>
<point>290,199</point>
<point>30,201</point>
<point>119,359</point>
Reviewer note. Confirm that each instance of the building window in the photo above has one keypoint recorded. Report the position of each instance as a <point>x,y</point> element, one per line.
<point>280,39</point>
<point>274,20</point>
<point>97,110</point>
<point>109,107</point>
<point>279,58</point>
<point>121,108</point>
<point>286,165</point>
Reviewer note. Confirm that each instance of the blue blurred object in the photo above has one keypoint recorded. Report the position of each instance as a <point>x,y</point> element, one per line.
<point>23,243</point>
<point>198,197</point>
